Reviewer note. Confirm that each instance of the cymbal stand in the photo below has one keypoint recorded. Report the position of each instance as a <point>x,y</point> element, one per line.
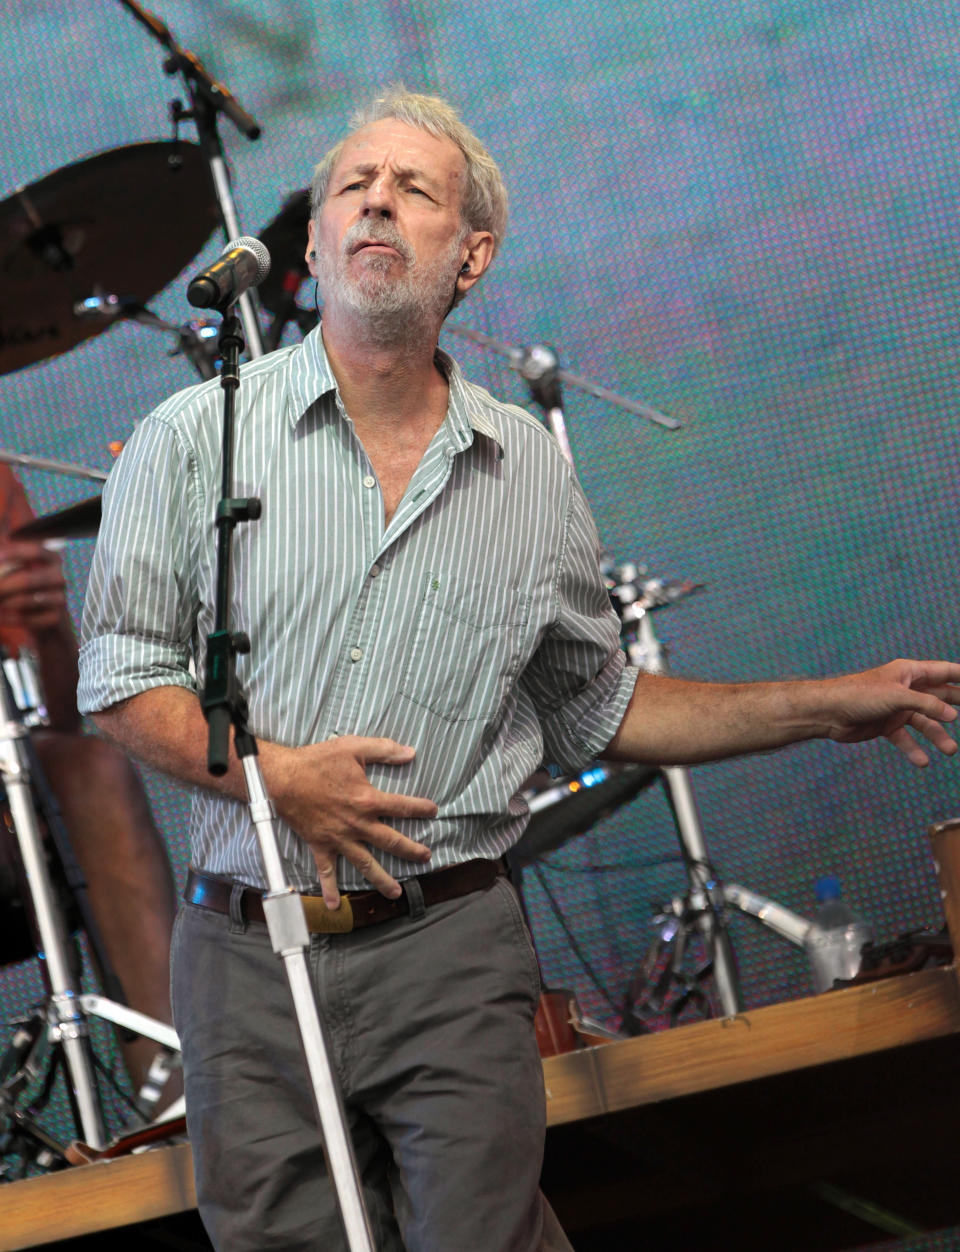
<point>67,1024</point>
<point>540,367</point>
<point>540,362</point>
<point>224,705</point>
<point>49,466</point>
<point>62,1020</point>
<point>208,99</point>
<point>706,905</point>
<point>702,908</point>
<point>193,338</point>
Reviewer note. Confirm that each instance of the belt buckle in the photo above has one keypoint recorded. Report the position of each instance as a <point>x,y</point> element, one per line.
<point>322,920</point>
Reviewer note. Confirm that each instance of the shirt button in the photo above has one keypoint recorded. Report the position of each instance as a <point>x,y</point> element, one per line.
<point>369,480</point>
<point>356,654</point>
<point>374,571</point>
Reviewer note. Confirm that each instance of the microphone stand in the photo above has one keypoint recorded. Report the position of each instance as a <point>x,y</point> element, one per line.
<point>224,705</point>
<point>208,98</point>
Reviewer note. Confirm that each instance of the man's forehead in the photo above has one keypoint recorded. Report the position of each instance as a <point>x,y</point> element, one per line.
<point>404,146</point>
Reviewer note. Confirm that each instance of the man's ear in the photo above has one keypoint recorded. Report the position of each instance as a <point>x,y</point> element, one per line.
<point>311,253</point>
<point>477,255</point>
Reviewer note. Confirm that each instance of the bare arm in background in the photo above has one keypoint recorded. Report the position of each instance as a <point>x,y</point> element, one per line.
<point>674,722</point>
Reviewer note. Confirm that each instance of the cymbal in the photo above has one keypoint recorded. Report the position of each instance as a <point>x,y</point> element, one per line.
<point>124,222</point>
<point>76,521</point>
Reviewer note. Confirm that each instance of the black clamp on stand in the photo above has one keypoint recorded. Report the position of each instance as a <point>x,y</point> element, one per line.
<point>224,706</point>
<point>539,366</point>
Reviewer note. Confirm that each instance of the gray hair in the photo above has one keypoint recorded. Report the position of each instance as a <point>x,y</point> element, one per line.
<point>484,205</point>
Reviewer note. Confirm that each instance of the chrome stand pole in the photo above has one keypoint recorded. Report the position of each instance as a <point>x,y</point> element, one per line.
<point>706,893</point>
<point>66,1021</point>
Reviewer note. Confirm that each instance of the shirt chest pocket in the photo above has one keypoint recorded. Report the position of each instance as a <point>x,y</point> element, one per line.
<point>465,649</point>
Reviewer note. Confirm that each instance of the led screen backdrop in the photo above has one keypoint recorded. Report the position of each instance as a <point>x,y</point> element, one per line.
<point>744,214</point>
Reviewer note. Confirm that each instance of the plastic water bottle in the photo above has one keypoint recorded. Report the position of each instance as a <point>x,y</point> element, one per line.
<point>835,939</point>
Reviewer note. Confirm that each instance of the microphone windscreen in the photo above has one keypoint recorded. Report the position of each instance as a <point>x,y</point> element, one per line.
<point>258,250</point>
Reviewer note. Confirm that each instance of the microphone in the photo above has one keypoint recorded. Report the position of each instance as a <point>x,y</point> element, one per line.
<point>244,263</point>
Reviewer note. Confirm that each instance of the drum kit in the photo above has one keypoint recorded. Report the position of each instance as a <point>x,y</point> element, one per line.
<point>84,248</point>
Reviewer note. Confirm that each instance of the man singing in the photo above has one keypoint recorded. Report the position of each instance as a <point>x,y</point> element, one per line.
<point>427,623</point>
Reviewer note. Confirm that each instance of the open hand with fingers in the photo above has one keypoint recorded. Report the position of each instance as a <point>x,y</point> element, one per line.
<point>33,593</point>
<point>672,720</point>
<point>322,791</point>
<point>892,701</point>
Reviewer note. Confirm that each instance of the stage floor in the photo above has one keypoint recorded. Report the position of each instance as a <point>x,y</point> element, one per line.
<point>755,1131</point>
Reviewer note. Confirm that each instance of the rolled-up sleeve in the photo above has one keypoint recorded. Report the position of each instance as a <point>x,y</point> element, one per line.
<point>578,678</point>
<point>140,605</point>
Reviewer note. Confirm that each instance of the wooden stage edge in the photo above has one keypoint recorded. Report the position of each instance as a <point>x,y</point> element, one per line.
<point>620,1075</point>
<point>758,1044</point>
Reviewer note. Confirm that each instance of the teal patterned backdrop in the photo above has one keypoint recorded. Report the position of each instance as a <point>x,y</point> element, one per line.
<point>744,214</point>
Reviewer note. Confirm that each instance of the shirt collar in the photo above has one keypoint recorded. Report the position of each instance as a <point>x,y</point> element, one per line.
<point>311,378</point>
<point>463,412</point>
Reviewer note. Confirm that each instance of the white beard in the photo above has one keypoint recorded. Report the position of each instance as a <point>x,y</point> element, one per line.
<point>393,306</point>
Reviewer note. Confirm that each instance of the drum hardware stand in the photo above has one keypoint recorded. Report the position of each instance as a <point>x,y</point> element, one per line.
<point>648,995</point>
<point>540,368</point>
<point>67,1025</point>
<point>705,907</point>
<point>208,99</point>
<point>702,911</point>
<point>49,466</point>
<point>193,337</point>
<point>224,706</point>
<point>62,1021</point>
<point>193,342</point>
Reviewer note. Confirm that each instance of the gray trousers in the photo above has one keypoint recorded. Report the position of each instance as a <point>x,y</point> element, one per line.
<point>430,1021</point>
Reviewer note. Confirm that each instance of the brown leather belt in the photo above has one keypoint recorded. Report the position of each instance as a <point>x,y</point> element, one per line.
<point>357,908</point>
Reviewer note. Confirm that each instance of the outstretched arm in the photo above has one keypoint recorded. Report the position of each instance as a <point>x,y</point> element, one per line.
<point>321,790</point>
<point>673,722</point>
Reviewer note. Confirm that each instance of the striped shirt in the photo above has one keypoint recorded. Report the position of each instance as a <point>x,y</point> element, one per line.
<point>476,626</point>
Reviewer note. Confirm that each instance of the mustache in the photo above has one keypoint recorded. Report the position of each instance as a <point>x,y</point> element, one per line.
<point>378,230</point>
